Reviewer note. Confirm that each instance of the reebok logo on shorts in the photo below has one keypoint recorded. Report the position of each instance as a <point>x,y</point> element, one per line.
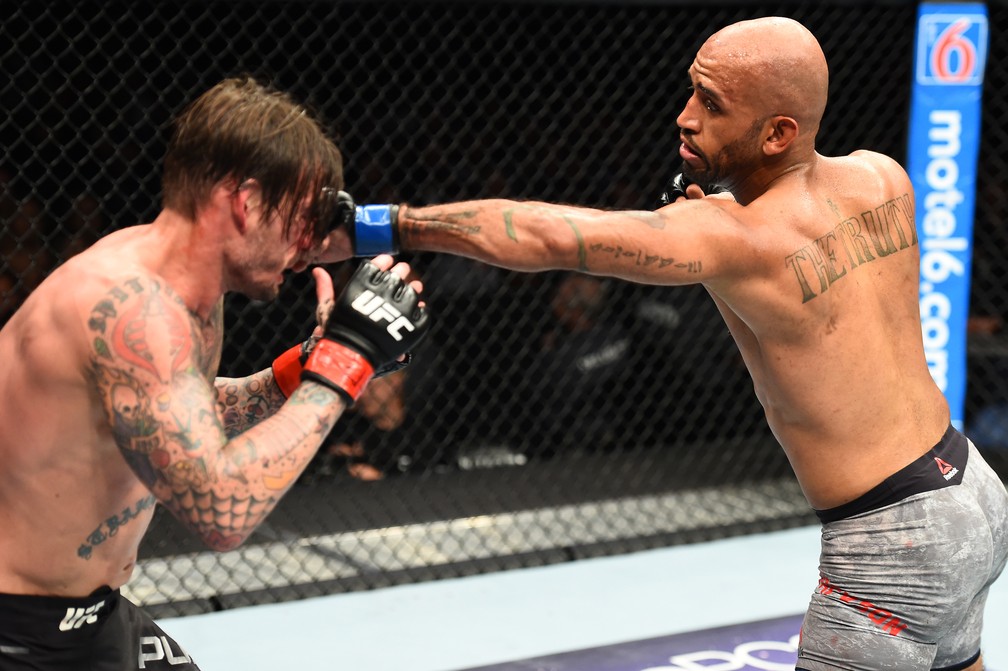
<point>75,618</point>
<point>948,471</point>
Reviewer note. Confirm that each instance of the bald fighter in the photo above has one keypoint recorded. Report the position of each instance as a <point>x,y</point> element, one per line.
<point>813,261</point>
<point>111,400</point>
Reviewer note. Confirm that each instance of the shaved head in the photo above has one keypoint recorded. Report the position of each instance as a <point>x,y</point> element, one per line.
<point>773,64</point>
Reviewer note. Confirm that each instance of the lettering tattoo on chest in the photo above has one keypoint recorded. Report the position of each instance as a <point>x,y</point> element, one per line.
<point>111,526</point>
<point>853,242</point>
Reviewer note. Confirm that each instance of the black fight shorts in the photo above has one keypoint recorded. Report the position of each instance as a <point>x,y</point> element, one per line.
<point>101,632</point>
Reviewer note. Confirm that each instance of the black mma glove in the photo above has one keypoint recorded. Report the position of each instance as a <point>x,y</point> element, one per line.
<point>376,319</point>
<point>676,188</point>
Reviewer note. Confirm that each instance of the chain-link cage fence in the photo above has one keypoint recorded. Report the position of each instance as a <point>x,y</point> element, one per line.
<point>548,416</point>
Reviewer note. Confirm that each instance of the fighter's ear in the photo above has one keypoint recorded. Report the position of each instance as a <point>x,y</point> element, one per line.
<point>781,131</point>
<point>244,197</point>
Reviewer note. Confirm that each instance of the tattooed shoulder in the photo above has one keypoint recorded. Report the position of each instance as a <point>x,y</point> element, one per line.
<point>142,324</point>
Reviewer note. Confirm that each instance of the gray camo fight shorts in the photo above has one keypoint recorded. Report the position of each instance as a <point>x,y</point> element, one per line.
<point>903,586</point>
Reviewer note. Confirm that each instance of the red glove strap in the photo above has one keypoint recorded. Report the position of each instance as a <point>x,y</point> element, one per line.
<point>287,370</point>
<point>341,366</point>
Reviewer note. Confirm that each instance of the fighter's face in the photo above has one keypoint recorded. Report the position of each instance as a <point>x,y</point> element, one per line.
<point>719,128</point>
<point>269,252</point>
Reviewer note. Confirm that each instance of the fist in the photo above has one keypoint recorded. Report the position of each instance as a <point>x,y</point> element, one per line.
<point>373,324</point>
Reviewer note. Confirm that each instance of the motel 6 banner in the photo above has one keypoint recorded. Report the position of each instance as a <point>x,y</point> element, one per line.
<point>944,142</point>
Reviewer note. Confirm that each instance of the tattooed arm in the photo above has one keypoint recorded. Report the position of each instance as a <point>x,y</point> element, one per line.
<point>244,402</point>
<point>691,242</point>
<point>148,364</point>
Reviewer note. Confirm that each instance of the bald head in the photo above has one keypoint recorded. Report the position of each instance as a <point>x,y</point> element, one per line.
<point>774,64</point>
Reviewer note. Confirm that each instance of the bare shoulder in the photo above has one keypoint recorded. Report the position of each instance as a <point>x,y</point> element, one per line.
<point>93,283</point>
<point>873,157</point>
<point>110,307</point>
<point>75,319</point>
<point>718,210</point>
<point>885,168</point>
<point>717,219</point>
<point>131,316</point>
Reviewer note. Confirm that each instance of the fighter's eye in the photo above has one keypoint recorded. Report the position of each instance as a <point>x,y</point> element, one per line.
<point>707,102</point>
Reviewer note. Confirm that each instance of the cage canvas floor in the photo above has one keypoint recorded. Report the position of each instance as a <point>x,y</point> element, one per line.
<point>726,604</point>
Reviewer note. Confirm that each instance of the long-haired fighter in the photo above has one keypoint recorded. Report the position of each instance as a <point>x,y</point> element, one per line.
<point>111,404</point>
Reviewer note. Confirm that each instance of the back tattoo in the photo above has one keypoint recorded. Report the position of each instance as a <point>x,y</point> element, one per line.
<point>889,228</point>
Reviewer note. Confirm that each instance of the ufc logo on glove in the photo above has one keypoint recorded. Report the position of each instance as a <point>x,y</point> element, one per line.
<point>376,309</point>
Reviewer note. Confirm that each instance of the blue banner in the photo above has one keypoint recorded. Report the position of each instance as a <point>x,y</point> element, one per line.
<point>951,52</point>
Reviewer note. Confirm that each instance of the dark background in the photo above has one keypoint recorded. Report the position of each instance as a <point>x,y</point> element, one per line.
<point>533,391</point>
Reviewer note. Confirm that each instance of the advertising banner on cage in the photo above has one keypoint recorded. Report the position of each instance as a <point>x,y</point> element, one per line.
<point>768,645</point>
<point>944,142</point>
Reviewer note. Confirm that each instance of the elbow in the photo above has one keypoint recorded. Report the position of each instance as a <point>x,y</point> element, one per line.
<point>562,248</point>
<point>219,541</point>
<point>212,528</point>
<point>546,248</point>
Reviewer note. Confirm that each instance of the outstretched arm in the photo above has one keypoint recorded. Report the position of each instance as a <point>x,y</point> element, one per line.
<point>685,243</point>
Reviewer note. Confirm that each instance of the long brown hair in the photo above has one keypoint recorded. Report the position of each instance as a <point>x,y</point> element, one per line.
<point>244,130</point>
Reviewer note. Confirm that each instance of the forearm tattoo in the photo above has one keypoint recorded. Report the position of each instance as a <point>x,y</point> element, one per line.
<point>604,252</point>
<point>530,225</point>
<point>245,402</point>
<point>414,224</point>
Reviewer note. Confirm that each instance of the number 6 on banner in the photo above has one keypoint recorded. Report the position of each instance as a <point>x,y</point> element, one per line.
<point>952,46</point>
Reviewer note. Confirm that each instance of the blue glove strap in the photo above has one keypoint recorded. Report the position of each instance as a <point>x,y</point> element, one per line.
<point>373,230</point>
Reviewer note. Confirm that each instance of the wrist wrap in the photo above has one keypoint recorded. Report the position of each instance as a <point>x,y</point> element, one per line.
<point>376,230</point>
<point>287,369</point>
<point>338,367</point>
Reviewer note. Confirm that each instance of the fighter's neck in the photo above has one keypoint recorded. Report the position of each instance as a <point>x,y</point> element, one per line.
<point>189,256</point>
<point>769,177</point>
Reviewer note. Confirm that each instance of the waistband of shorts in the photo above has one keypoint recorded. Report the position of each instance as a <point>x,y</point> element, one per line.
<point>56,618</point>
<point>941,466</point>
